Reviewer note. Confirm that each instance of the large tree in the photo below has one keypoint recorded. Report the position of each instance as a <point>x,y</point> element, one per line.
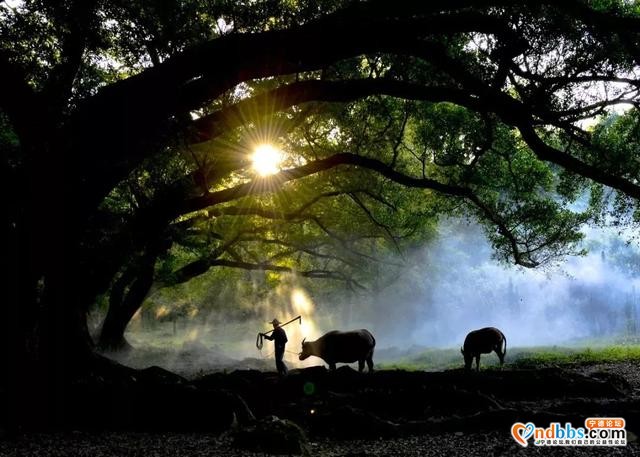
<point>326,225</point>
<point>102,101</point>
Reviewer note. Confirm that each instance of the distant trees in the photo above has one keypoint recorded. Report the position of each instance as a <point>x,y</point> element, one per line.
<point>631,314</point>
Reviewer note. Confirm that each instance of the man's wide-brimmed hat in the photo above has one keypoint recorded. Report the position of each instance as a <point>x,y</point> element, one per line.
<point>275,322</point>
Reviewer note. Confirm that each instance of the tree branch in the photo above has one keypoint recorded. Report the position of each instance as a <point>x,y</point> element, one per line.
<point>200,266</point>
<point>510,111</point>
<point>376,222</point>
<point>264,185</point>
<point>266,103</point>
<point>304,249</point>
<point>272,214</point>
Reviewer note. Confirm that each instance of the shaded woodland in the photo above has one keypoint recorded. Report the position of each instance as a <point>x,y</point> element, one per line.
<point>128,131</point>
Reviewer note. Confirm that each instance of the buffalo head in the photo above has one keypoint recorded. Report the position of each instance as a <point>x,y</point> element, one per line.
<point>468,359</point>
<point>306,350</point>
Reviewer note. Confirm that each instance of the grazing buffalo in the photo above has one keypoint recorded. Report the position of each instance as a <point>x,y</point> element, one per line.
<point>342,347</point>
<point>483,341</point>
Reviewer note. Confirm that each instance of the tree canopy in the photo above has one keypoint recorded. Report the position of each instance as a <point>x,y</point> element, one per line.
<point>128,130</point>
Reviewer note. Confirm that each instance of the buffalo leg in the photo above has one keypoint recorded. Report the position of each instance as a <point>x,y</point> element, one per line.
<point>332,366</point>
<point>360,365</point>
<point>478,362</point>
<point>500,355</point>
<point>370,364</point>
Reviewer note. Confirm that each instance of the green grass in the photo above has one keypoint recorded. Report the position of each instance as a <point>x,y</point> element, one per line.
<point>566,356</point>
<point>520,357</point>
<point>430,359</point>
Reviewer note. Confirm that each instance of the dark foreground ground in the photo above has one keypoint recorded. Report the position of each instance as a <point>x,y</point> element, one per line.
<point>179,445</point>
<point>340,413</point>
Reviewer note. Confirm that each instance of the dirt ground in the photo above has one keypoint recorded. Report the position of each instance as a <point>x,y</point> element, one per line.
<point>453,443</point>
<point>184,444</point>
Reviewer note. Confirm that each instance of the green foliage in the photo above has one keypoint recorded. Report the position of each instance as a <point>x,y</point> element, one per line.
<point>617,138</point>
<point>615,146</point>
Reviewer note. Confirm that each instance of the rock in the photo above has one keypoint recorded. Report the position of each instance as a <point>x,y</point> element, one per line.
<point>272,435</point>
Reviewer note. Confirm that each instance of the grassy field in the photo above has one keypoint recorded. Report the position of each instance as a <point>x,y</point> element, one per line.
<point>195,348</point>
<point>520,357</point>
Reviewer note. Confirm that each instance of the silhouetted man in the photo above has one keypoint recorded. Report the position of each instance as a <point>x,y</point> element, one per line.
<point>279,337</point>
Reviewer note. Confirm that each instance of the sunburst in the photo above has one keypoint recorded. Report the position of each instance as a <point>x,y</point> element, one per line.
<point>266,159</point>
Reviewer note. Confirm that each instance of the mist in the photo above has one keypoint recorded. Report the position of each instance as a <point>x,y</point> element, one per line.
<point>447,288</point>
<point>456,286</point>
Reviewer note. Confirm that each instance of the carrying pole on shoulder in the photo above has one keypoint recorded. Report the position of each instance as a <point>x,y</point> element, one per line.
<point>259,338</point>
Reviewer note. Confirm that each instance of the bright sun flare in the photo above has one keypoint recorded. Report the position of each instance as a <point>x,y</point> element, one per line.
<point>266,159</point>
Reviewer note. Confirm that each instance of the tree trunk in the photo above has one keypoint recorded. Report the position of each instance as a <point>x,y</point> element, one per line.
<point>112,332</point>
<point>49,350</point>
<point>127,295</point>
<point>48,339</point>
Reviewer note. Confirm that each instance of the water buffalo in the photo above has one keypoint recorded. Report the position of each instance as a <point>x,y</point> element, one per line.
<point>483,341</point>
<point>342,347</point>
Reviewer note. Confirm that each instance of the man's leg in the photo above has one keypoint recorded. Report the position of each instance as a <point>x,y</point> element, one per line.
<point>282,368</point>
